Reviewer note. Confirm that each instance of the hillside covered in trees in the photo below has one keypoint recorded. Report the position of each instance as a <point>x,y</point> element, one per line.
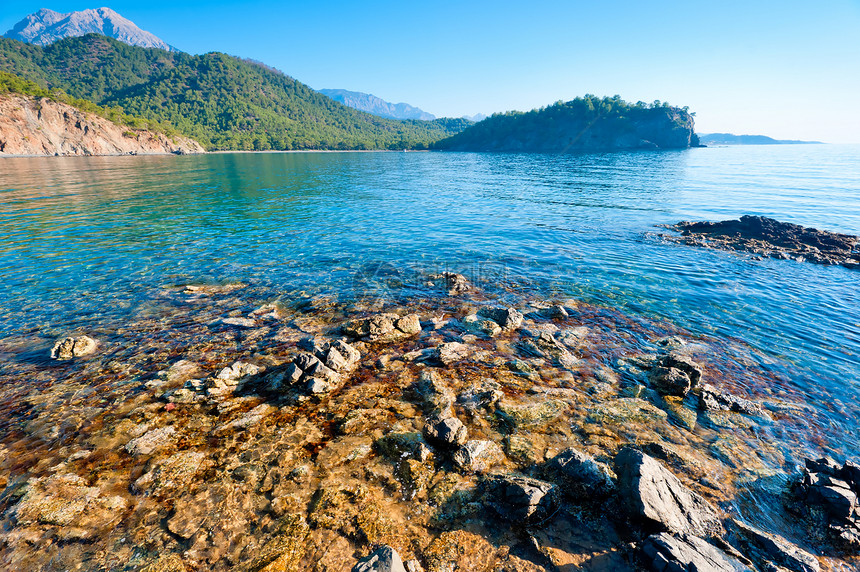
<point>222,101</point>
<point>583,124</point>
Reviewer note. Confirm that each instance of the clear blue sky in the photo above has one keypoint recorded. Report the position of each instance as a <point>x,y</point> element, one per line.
<point>784,68</point>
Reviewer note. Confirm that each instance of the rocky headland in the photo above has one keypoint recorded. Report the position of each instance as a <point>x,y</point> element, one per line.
<point>42,126</point>
<point>215,430</point>
<point>583,124</point>
<point>769,238</point>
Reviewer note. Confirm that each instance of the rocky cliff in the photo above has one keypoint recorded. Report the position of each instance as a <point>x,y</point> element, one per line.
<point>40,126</point>
<point>47,26</point>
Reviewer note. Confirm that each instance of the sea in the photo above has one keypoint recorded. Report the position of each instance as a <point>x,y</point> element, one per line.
<point>86,242</point>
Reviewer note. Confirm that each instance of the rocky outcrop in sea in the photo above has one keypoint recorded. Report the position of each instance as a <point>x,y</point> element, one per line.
<point>769,238</point>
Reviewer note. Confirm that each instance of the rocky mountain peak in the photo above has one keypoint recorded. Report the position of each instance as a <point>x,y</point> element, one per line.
<point>47,26</point>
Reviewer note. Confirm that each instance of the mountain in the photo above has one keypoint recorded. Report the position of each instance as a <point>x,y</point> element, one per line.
<point>221,101</point>
<point>475,118</point>
<point>732,139</point>
<point>376,106</point>
<point>585,123</point>
<point>34,121</point>
<point>46,27</point>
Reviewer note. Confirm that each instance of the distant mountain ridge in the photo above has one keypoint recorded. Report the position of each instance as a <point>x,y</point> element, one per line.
<point>377,106</point>
<point>732,139</point>
<point>47,26</point>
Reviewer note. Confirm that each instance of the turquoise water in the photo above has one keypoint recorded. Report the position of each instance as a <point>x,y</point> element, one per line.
<point>88,241</point>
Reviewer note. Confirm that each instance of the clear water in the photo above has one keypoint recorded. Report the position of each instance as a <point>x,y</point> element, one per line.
<point>87,241</point>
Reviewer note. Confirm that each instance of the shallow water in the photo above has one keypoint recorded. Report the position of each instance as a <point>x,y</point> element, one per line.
<point>87,242</point>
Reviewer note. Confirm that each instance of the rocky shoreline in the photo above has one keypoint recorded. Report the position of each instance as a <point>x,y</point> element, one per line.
<point>450,432</point>
<point>769,238</point>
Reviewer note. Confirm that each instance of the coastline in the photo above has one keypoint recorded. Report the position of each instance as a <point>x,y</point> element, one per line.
<point>313,430</point>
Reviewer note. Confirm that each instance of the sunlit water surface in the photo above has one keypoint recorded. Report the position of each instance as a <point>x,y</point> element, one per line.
<point>87,241</point>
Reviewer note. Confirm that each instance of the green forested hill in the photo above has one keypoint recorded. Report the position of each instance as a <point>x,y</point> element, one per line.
<point>585,123</point>
<point>221,101</point>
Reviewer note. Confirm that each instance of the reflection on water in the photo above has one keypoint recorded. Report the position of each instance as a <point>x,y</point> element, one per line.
<point>85,242</point>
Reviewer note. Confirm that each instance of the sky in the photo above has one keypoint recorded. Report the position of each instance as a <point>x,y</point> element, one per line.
<point>788,69</point>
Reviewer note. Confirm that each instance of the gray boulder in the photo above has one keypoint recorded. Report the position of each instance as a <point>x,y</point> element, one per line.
<point>828,496</point>
<point>770,548</point>
<point>523,500</point>
<point>650,492</point>
<point>384,559</point>
<point>447,432</point>
<point>507,318</point>
<point>666,552</point>
<point>580,477</point>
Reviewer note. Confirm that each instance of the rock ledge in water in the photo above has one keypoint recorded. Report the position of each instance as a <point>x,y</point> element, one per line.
<point>772,238</point>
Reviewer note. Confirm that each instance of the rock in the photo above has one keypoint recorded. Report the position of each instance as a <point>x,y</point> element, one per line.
<point>478,456</point>
<point>765,547</point>
<point>454,283</point>
<point>151,441</point>
<point>239,370</point>
<point>712,399</point>
<point>397,445</point>
<point>182,371</point>
<point>682,553</point>
<point>652,493</point>
<point>239,322</point>
<point>451,352</point>
<point>683,363</point>
<point>170,474</point>
<point>508,319</point>
<point>70,348</point>
<point>322,370</point>
<point>827,496</point>
<point>523,500</point>
<point>474,323</point>
<point>670,381</point>
<point>485,394</point>
<point>772,238</point>
<point>447,432</point>
<point>59,500</point>
<point>382,327</point>
<point>434,396</point>
<point>581,477</point>
<point>384,559</point>
<point>529,413</point>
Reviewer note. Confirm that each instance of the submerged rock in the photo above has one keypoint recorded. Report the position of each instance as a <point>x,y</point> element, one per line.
<point>384,559</point>
<point>649,491</point>
<point>70,348</point>
<point>666,552</point>
<point>151,441</point>
<point>454,283</point>
<point>478,456</point>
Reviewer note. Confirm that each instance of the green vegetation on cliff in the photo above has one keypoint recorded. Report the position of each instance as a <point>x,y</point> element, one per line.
<point>221,101</point>
<point>10,83</point>
<point>585,123</point>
